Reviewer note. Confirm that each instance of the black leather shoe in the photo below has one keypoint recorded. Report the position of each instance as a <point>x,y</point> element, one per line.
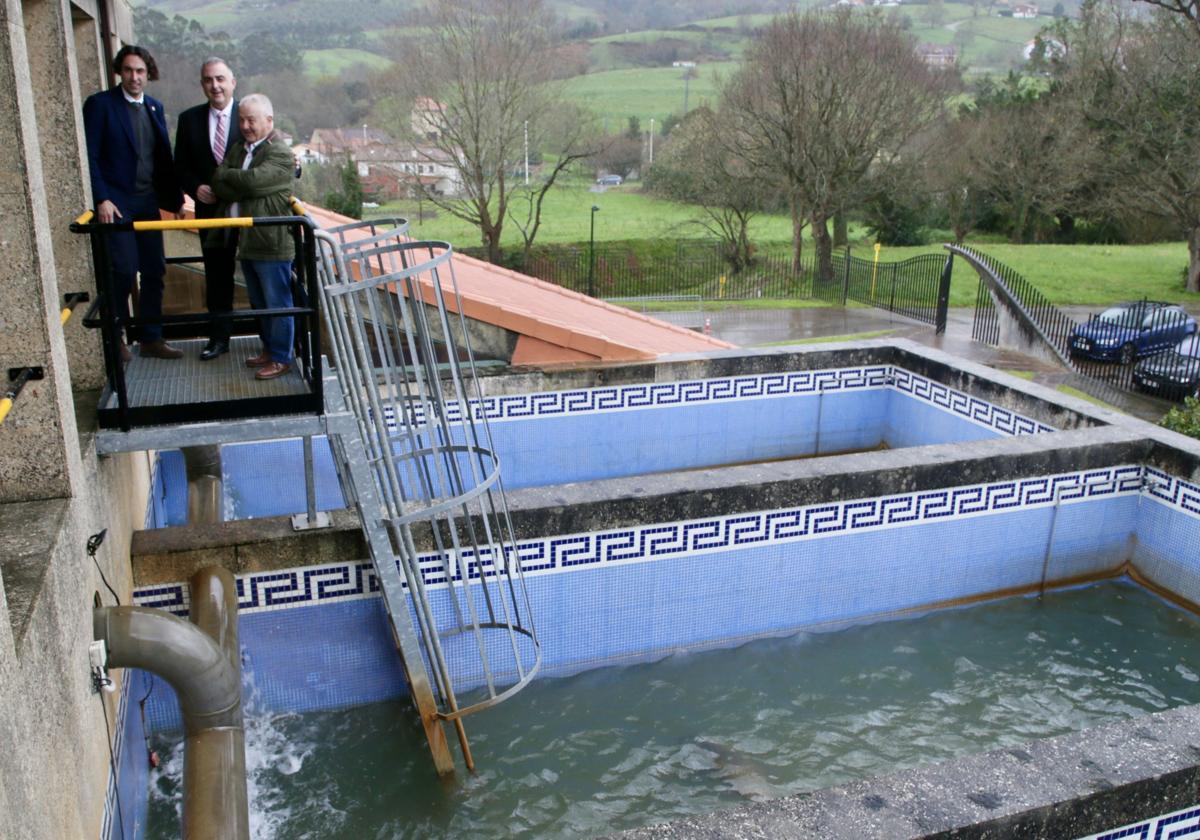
<point>213,349</point>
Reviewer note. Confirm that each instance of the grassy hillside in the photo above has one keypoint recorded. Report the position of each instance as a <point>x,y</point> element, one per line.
<point>646,92</point>
<point>334,62</point>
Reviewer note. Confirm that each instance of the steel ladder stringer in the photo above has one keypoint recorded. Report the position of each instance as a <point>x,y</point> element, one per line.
<point>421,470</point>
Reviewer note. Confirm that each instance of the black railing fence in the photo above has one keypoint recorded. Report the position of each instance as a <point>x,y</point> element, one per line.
<point>699,270</point>
<point>1130,346</point>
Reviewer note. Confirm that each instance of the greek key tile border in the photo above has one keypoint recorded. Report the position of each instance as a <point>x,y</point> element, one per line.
<point>643,543</point>
<point>118,749</point>
<point>760,386</point>
<point>1179,825</point>
<point>963,404</point>
<point>1174,492</point>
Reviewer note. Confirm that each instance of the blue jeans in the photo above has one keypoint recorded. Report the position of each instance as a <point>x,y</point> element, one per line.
<point>269,284</point>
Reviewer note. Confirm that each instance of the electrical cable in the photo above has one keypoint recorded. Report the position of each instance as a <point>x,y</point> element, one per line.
<point>93,545</point>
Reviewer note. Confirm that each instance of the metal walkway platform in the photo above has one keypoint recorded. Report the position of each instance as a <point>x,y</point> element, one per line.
<point>155,382</point>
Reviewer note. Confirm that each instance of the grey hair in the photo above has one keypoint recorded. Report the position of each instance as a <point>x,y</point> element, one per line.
<point>214,59</point>
<point>258,102</point>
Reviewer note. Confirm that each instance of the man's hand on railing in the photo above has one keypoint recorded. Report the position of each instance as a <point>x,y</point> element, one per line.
<point>107,212</point>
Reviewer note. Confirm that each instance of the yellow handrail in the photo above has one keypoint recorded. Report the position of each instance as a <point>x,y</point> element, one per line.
<point>65,315</point>
<point>85,217</point>
<point>5,407</point>
<point>195,224</point>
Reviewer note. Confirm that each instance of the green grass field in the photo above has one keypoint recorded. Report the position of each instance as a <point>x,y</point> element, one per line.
<point>333,62</point>
<point>646,92</point>
<point>625,213</point>
<point>1066,274</point>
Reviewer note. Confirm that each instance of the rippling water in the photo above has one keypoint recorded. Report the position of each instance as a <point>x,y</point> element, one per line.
<point>622,747</point>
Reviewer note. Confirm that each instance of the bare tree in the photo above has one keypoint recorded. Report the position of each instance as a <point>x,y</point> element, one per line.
<point>821,97</point>
<point>483,71</point>
<point>1189,9</point>
<point>1135,82</point>
<point>697,166</point>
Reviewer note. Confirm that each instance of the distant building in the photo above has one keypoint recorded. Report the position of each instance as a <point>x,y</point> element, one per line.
<point>339,142</point>
<point>427,119</point>
<point>306,154</point>
<point>938,55</point>
<point>1025,10</point>
<point>1051,48</point>
<point>684,64</point>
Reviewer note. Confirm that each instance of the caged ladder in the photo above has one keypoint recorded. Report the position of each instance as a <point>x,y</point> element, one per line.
<point>423,473</point>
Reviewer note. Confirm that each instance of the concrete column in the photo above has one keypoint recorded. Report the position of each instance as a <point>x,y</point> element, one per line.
<point>39,448</point>
<point>50,39</point>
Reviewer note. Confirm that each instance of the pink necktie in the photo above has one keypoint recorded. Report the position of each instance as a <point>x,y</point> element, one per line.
<point>219,139</point>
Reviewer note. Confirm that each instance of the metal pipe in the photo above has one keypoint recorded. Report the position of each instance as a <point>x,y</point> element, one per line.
<point>200,659</point>
<point>206,496</point>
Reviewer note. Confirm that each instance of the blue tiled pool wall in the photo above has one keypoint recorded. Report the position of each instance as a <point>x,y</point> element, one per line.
<point>317,637</point>
<point>1167,551</point>
<point>168,491</point>
<point>595,433</point>
<point>128,789</point>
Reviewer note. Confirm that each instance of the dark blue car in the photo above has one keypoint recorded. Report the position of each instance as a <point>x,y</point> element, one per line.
<point>1130,330</point>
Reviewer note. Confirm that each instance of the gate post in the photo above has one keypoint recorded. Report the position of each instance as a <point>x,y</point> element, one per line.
<point>943,296</point>
<point>846,278</point>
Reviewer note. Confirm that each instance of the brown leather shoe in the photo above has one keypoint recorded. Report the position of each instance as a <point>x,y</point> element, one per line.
<point>263,358</point>
<point>159,350</point>
<point>272,370</point>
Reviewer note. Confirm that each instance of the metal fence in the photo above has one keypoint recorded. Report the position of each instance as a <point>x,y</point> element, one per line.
<point>698,270</point>
<point>1144,345</point>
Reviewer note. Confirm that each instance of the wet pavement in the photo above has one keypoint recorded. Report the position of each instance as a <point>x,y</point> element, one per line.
<point>760,327</point>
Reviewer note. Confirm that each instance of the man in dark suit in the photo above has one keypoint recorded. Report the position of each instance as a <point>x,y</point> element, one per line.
<point>129,155</point>
<point>201,138</point>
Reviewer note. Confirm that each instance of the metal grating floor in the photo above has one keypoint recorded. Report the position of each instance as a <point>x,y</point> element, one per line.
<point>154,382</point>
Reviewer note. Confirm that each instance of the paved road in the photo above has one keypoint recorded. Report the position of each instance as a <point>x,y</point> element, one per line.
<point>759,327</point>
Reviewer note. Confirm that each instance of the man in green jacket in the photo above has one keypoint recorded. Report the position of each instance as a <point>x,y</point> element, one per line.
<point>255,179</point>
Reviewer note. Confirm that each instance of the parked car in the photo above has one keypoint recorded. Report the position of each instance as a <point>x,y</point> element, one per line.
<point>1174,374</point>
<point>1129,331</point>
<point>609,180</point>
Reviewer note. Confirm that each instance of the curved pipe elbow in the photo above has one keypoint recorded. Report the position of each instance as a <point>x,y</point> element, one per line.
<point>204,678</point>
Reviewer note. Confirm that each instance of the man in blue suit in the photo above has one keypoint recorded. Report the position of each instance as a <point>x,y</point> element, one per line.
<point>202,135</point>
<point>129,155</point>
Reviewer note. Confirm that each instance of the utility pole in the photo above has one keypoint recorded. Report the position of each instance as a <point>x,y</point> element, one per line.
<point>527,153</point>
<point>652,140</point>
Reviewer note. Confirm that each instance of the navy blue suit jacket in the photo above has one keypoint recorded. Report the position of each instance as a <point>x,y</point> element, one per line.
<point>194,164</point>
<point>112,150</point>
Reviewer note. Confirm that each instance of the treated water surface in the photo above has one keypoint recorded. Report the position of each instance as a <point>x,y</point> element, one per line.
<point>621,747</point>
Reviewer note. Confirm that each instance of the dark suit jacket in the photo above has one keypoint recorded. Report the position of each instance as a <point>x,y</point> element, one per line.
<point>112,150</point>
<point>194,162</point>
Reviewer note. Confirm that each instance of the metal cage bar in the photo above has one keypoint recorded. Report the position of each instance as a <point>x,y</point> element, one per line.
<point>402,352</point>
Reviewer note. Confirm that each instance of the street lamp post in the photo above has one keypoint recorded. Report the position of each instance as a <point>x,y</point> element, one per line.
<point>591,287</point>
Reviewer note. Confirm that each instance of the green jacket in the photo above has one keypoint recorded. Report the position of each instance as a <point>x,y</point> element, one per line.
<point>264,189</point>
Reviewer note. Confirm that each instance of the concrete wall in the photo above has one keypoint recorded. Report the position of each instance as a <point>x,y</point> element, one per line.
<point>54,490</point>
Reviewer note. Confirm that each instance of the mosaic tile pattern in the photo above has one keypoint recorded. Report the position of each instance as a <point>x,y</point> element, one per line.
<point>649,542</point>
<point>110,825</point>
<point>1179,825</point>
<point>1179,494</point>
<point>760,386</point>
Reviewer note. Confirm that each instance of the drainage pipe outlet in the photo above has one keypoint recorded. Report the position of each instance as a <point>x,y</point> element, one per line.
<point>201,661</point>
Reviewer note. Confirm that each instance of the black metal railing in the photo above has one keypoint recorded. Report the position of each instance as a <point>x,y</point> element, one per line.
<point>918,287</point>
<point>1136,345</point>
<point>103,314</point>
<point>699,270</point>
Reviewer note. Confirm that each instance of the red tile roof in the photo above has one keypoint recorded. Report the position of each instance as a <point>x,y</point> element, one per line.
<point>555,324</point>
